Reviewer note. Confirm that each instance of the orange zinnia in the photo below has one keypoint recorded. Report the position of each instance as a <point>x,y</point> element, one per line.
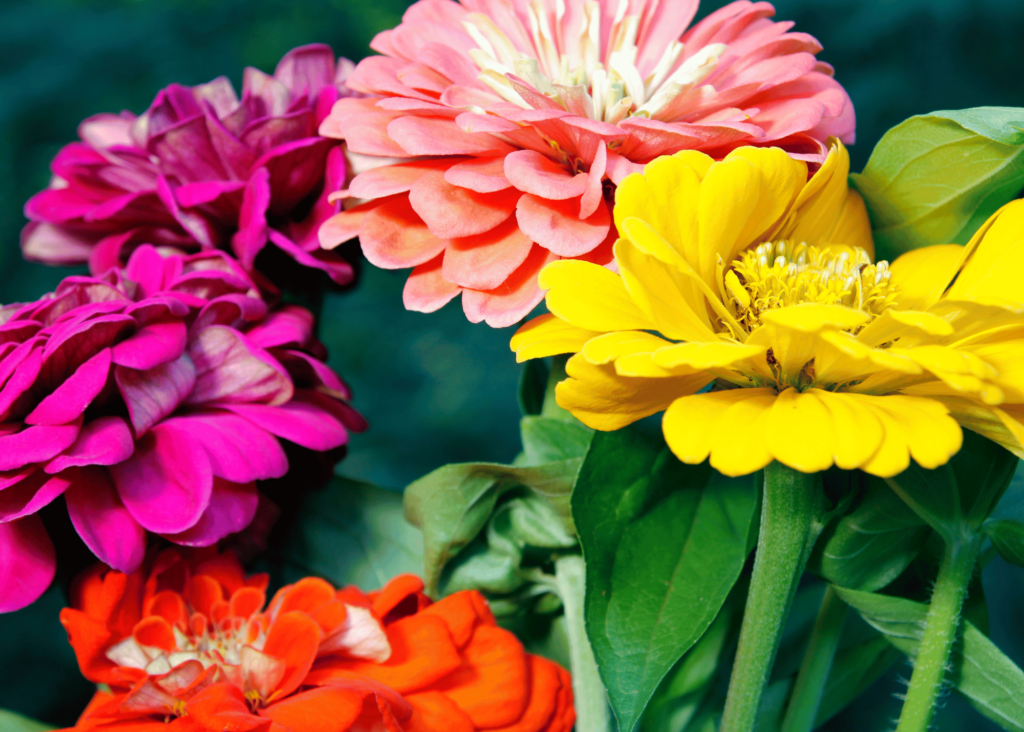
<point>185,645</point>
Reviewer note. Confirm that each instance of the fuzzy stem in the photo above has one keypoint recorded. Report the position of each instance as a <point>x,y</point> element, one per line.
<point>817,663</point>
<point>791,514</point>
<point>955,571</point>
<point>587,687</point>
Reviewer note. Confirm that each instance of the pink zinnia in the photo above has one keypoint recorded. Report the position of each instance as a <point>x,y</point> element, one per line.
<point>202,169</point>
<point>512,120</point>
<point>152,398</point>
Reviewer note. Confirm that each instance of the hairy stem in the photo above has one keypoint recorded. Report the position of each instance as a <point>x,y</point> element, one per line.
<point>791,514</point>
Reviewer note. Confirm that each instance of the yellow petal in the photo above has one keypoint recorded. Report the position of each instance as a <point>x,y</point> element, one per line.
<point>858,432</point>
<point>1004,426</point>
<point>690,422</point>
<point>738,444</point>
<point>606,348</point>
<point>822,201</point>
<point>921,275</point>
<point>915,427</point>
<point>603,400</point>
<point>853,227</point>
<point>791,332</point>
<point>783,175</point>
<point>720,354</point>
<point>994,259</point>
<point>800,432</point>
<point>893,324</point>
<point>547,335</point>
<point>591,297</point>
<point>813,317</point>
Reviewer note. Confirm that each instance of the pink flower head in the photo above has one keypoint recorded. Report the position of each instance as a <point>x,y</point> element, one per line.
<point>504,126</point>
<point>152,398</point>
<point>201,169</point>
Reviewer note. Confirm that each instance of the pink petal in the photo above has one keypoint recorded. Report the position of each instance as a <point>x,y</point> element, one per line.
<point>290,326</point>
<point>450,211</point>
<point>47,243</point>
<point>298,422</point>
<point>19,370</point>
<point>229,369</point>
<point>295,168</point>
<point>238,450</point>
<point>102,520</point>
<point>312,371</point>
<point>151,346</point>
<point>427,290</point>
<point>438,136</point>
<point>388,180</point>
<point>232,310</point>
<point>152,395</point>
<point>485,261</point>
<point>36,444</point>
<point>70,399</point>
<point>307,69</point>
<point>594,195</point>
<point>336,268</point>
<point>30,494</point>
<point>206,192</point>
<point>232,508</point>
<point>394,237</point>
<point>251,236</point>
<point>556,225</point>
<point>514,300</point>
<point>534,173</point>
<point>483,175</point>
<point>27,563</point>
<point>103,441</point>
<point>166,484</point>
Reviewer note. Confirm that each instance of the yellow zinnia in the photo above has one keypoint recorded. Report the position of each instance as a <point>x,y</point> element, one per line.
<point>746,276</point>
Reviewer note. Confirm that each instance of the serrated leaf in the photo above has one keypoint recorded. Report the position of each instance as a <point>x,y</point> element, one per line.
<point>547,440</point>
<point>453,504</point>
<point>353,533</point>
<point>11,722</point>
<point>870,547</point>
<point>978,669</point>
<point>935,178</point>
<point>664,543</point>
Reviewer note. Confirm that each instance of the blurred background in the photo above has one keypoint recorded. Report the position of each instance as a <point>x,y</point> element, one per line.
<point>435,388</point>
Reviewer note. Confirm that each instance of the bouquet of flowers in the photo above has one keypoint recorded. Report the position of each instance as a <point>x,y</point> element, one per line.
<point>772,410</point>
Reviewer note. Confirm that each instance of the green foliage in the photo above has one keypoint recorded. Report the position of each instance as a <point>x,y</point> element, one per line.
<point>935,178</point>
<point>979,670</point>
<point>351,533</point>
<point>664,543</point>
<point>1008,539</point>
<point>11,722</point>
<point>870,547</point>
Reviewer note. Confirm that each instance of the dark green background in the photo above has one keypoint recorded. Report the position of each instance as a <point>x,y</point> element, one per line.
<point>435,388</point>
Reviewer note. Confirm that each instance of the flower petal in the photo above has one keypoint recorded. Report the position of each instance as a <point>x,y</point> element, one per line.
<point>27,563</point>
<point>103,522</point>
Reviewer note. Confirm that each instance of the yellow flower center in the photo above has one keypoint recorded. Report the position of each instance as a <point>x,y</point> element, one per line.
<point>783,273</point>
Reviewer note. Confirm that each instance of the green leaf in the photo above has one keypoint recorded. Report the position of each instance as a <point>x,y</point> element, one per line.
<point>1011,505</point>
<point>978,669</point>
<point>983,471</point>
<point>935,178</point>
<point>453,504</point>
<point>547,440</point>
<point>870,547</point>
<point>1008,539</point>
<point>664,543</point>
<point>11,722</point>
<point>854,669</point>
<point>353,533</point>
<point>933,495</point>
<point>533,381</point>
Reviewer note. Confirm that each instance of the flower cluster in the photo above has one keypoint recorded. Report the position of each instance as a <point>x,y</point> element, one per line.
<point>152,398</point>
<point>502,128</point>
<point>186,645</point>
<point>201,169</point>
<point>746,276</point>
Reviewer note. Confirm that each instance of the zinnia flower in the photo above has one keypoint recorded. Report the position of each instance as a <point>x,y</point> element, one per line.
<point>744,276</point>
<point>501,128</point>
<point>188,646</point>
<point>152,398</point>
<point>202,169</point>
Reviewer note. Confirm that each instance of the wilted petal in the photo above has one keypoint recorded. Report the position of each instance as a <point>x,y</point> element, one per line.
<point>152,395</point>
<point>229,369</point>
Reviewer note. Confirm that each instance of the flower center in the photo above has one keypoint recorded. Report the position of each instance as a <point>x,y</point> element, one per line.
<point>782,273</point>
<point>576,76</point>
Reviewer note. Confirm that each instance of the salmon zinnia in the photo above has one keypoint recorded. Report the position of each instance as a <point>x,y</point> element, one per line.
<point>501,129</point>
<point>744,276</point>
<point>187,646</point>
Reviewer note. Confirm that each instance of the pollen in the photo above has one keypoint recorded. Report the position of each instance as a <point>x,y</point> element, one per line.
<point>783,273</point>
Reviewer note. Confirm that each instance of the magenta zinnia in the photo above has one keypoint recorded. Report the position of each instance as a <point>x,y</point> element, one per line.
<point>202,169</point>
<point>152,398</point>
<point>507,124</point>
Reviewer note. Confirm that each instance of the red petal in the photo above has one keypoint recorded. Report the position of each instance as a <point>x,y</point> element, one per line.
<point>294,638</point>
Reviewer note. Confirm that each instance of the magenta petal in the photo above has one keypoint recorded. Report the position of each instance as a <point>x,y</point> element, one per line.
<point>232,310</point>
<point>232,508</point>
<point>290,326</point>
<point>35,444</point>
<point>150,271</point>
<point>151,346</point>
<point>25,362</point>
<point>298,422</point>
<point>295,168</point>
<point>251,236</point>
<point>230,369</point>
<point>103,522</point>
<point>166,484</point>
<point>29,495</point>
<point>307,69</point>
<point>238,450</point>
<point>27,563</point>
<point>152,395</point>
<point>71,398</point>
<point>104,441</point>
<point>330,262</point>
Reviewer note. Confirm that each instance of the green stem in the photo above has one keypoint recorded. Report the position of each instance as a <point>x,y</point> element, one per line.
<point>810,682</point>
<point>940,631</point>
<point>587,687</point>
<point>791,513</point>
